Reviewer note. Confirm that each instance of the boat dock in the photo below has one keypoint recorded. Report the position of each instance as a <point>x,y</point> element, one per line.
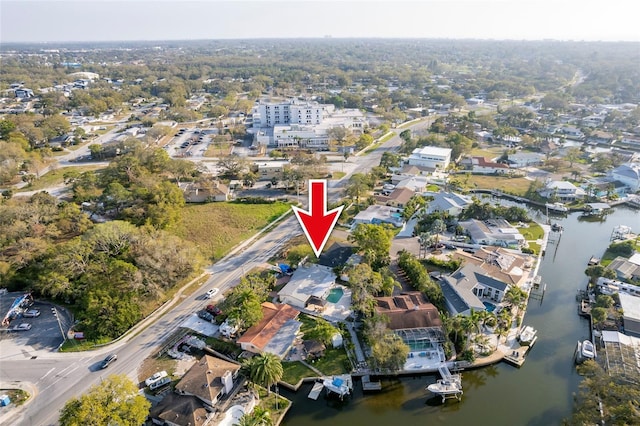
<point>368,385</point>
<point>316,390</point>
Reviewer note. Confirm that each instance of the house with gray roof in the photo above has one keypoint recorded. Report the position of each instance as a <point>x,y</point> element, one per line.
<point>525,159</point>
<point>493,232</point>
<point>446,202</point>
<point>628,174</point>
<point>631,314</point>
<point>625,269</point>
<point>464,289</point>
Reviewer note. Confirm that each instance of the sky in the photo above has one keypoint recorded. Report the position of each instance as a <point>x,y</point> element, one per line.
<point>107,20</point>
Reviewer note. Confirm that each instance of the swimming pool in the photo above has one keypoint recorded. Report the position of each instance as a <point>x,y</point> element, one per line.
<point>335,294</point>
<point>489,306</point>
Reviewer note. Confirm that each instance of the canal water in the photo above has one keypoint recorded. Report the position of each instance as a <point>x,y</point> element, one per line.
<point>539,393</point>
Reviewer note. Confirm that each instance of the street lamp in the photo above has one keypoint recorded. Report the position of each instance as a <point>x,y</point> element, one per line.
<point>55,314</point>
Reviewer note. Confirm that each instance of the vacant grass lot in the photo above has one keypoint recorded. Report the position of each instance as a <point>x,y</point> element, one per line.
<point>533,232</point>
<point>517,186</point>
<point>55,178</point>
<point>217,227</point>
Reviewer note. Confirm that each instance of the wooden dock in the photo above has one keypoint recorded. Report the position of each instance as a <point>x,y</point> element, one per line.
<point>517,356</point>
<point>316,390</point>
<point>368,385</point>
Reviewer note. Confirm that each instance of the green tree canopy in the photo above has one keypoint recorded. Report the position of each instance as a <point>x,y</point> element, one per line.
<point>115,401</point>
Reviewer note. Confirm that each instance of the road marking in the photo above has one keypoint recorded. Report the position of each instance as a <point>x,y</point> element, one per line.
<point>47,373</point>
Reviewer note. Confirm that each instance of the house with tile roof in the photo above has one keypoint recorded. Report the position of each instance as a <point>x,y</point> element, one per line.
<point>275,332</point>
<point>499,263</point>
<point>408,310</point>
<point>399,197</point>
<point>209,379</point>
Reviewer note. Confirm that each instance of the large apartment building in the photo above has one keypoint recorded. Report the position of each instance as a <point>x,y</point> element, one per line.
<point>301,124</point>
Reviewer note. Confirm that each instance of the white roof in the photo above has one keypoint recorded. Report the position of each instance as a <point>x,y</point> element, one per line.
<point>432,150</point>
<point>635,259</point>
<point>617,337</point>
<point>307,281</point>
<point>630,306</point>
<point>561,184</point>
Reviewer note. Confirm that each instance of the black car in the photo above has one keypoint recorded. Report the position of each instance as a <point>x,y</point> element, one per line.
<point>205,315</point>
<point>108,360</point>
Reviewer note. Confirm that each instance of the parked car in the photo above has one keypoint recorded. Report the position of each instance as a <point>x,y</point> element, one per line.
<point>31,313</point>
<point>108,360</point>
<point>211,293</point>
<point>205,315</point>
<point>22,327</point>
<point>155,378</point>
<point>213,310</point>
<point>158,384</point>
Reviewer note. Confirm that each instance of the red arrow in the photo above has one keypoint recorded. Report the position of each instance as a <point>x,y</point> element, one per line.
<point>318,225</point>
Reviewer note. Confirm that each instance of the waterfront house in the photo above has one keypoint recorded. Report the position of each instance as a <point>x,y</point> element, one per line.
<point>493,232</point>
<point>562,190</point>
<point>625,269</point>
<point>628,174</point>
<point>630,314</point>
<point>275,332</point>
<point>408,310</point>
<point>209,379</point>
<point>450,202</point>
<point>502,264</point>
<point>307,281</point>
<point>377,214</point>
<point>464,289</point>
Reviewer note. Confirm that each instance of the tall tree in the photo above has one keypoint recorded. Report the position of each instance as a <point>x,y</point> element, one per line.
<point>115,401</point>
<point>263,370</point>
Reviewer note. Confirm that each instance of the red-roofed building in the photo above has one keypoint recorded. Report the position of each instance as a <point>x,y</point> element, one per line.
<point>481,165</point>
<point>275,333</point>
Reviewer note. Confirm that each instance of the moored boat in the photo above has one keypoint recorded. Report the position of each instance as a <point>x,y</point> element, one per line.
<point>527,336</point>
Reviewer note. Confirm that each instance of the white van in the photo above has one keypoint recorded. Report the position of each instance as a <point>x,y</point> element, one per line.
<point>160,383</point>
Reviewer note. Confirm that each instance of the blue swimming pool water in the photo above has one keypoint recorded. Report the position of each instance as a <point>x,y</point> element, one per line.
<point>490,306</point>
<point>335,294</point>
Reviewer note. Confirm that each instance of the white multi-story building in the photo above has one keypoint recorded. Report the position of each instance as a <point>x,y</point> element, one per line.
<point>295,123</point>
<point>431,156</point>
<point>270,114</point>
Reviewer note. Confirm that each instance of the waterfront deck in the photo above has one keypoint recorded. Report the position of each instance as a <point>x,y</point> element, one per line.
<point>315,391</point>
<point>368,385</point>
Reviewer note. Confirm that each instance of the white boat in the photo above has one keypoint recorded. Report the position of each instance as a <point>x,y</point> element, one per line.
<point>340,385</point>
<point>558,207</point>
<point>588,350</point>
<point>449,386</point>
<point>527,336</point>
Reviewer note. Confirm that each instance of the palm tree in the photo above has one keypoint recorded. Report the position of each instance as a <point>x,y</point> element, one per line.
<point>263,370</point>
<point>258,417</point>
<point>517,297</point>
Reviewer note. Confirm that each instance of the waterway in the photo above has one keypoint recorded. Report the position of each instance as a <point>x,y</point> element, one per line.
<point>539,393</point>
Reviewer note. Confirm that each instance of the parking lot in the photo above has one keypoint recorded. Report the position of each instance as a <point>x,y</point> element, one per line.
<point>44,334</point>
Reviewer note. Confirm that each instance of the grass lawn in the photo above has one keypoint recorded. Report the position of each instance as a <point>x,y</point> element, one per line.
<point>217,227</point>
<point>338,175</point>
<point>55,177</point>
<point>533,232</point>
<point>334,361</point>
<point>517,186</point>
<point>535,247</point>
<point>488,153</point>
<point>275,407</point>
<point>295,371</point>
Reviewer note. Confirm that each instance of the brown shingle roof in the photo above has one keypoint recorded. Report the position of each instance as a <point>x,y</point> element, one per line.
<point>408,310</point>
<point>203,379</point>
<point>181,410</point>
<point>274,317</point>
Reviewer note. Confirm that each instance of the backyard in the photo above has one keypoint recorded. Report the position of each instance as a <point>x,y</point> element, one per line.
<point>517,186</point>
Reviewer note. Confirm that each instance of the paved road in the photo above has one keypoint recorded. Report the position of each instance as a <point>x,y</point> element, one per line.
<point>61,376</point>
